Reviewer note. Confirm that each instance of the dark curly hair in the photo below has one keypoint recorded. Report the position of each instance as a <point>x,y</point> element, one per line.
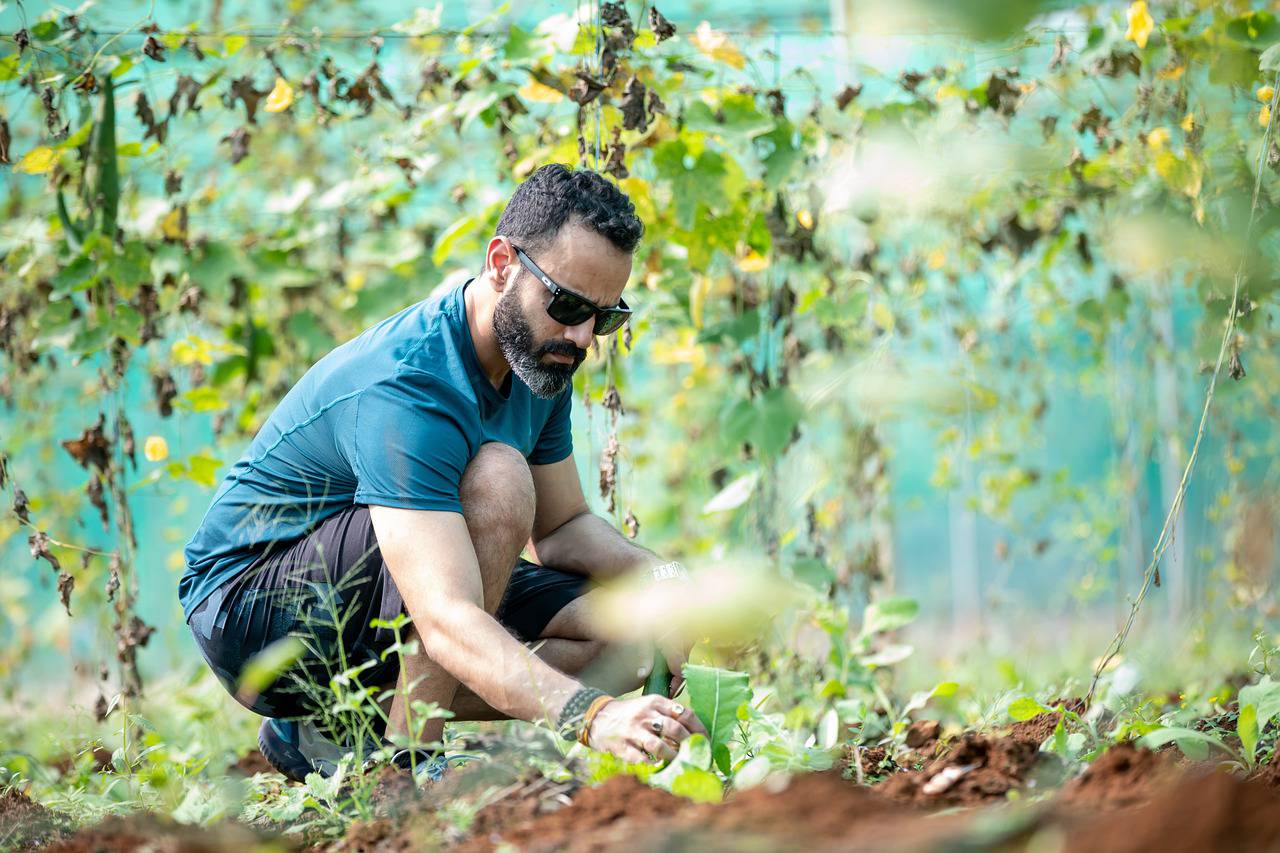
<point>555,193</point>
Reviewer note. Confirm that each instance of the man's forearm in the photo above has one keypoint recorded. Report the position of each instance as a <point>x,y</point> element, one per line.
<point>591,546</point>
<point>481,654</point>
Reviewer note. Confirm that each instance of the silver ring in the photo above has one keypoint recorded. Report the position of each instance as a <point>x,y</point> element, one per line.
<point>677,709</point>
<point>656,725</point>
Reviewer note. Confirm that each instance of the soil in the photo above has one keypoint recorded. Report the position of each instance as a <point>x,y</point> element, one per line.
<point>250,763</point>
<point>160,835</point>
<point>1122,777</point>
<point>1037,729</point>
<point>24,823</point>
<point>976,769</point>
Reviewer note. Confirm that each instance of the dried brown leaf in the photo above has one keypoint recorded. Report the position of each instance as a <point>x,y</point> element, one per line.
<point>91,449</point>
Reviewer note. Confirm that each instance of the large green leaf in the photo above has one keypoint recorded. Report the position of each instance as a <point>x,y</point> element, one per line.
<point>689,774</point>
<point>715,696</point>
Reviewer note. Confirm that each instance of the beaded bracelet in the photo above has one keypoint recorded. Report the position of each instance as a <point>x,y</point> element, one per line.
<point>573,712</point>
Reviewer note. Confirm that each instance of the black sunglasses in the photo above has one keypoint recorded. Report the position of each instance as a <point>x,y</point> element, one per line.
<point>570,309</point>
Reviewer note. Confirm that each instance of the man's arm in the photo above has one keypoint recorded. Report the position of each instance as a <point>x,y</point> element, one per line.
<point>444,594</point>
<point>568,536</point>
<point>432,561</point>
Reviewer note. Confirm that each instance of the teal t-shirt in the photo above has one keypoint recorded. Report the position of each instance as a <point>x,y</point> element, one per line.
<point>389,418</point>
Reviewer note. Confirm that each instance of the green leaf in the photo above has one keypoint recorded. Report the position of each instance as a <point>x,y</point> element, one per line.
<point>203,469</point>
<point>889,615</point>
<point>1270,59</point>
<point>1026,708</point>
<point>46,31</point>
<point>1264,697</point>
<point>266,666</point>
<point>1247,729</point>
<point>1193,743</point>
<point>11,67</point>
<point>701,786</point>
<point>715,696</point>
<point>694,754</point>
<point>448,241</point>
<point>231,45</point>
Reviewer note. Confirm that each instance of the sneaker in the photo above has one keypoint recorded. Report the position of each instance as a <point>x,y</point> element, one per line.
<point>296,748</point>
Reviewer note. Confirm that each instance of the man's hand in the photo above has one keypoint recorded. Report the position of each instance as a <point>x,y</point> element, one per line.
<point>642,729</point>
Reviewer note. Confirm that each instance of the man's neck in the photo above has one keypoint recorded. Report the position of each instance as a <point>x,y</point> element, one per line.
<point>479,309</point>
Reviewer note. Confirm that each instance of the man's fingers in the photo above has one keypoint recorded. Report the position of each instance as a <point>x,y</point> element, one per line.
<point>674,730</point>
<point>631,755</point>
<point>657,747</point>
<point>677,681</point>
<point>690,720</point>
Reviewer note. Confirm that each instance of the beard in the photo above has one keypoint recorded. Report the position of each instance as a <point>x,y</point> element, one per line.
<point>515,339</point>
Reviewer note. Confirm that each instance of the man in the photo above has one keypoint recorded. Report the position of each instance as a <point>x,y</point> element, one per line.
<point>406,472</point>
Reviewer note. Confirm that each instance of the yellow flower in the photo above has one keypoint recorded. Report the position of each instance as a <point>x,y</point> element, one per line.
<point>1140,23</point>
<point>805,218</point>
<point>753,262</point>
<point>1265,93</point>
<point>281,97</point>
<point>1189,122</point>
<point>155,449</point>
<point>1158,137</point>
<point>1264,115</point>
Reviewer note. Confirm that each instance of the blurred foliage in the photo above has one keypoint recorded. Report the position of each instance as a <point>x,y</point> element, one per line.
<point>199,216</point>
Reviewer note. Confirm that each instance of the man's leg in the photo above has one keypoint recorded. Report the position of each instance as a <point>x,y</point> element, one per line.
<point>498,503</point>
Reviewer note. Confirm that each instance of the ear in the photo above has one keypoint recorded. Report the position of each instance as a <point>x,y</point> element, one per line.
<point>500,260</point>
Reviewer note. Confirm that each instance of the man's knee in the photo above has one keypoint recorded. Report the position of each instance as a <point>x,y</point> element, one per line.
<point>497,492</point>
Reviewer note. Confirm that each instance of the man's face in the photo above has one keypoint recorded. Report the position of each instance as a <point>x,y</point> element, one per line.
<point>541,351</point>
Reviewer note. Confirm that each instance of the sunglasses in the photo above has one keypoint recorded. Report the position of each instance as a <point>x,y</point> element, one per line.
<point>570,309</point>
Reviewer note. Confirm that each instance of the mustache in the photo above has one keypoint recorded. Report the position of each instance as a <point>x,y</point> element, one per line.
<point>560,348</point>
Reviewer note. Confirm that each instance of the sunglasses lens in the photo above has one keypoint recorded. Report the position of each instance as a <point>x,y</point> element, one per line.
<point>569,310</point>
<point>608,322</point>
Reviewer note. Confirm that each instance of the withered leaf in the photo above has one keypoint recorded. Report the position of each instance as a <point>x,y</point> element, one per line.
<point>846,95</point>
<point>39,543</point>
<point>655,104</point>
<point>142,109</point>
<point>100,708</point>
<point>164,389</point>
<point>615,157</point>
<point>113,576</point>
<point>632,524</point>
<point>1093,120</point>
<point>172,182</point>
<point>153,49</point>
<point>66,583</point>
<point>662,28</point>
<point>91,448</point>
<point>1002,97</point>
<point>615,17</point>
<point>189,301</point>
<point>20,506</point>
<point>910,80</point>
<point>609,470</point>
<point>126,439</point>
<point>95,493</point>
<point>4,470</point>
<point>612,400</point>
<point>1235,368</point>
<point>238,139</point>
<point>1061,49</point>
<point>23,40</point>
<point>586,90</point>
<point>187,88</point>
<point>194,46</point>
<point>632,105</point>
<point>1116,63</point>
<point>242,89</point>
<point>5,140</point>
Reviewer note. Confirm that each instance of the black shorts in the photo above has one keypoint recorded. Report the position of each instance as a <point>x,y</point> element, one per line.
<point>325,588</point>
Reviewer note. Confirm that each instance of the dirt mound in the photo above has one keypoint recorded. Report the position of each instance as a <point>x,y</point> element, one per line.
<point>803,812</point>
<point>1200,812</point>
<point>1037,729</point>
<point>1122,777</point>
<point>250,763</point>
<point>158,835</point>
<point>25,823</point>
<point>977,769</point>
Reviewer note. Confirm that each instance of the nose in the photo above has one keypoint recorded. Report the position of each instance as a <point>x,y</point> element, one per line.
<point>581,334</point>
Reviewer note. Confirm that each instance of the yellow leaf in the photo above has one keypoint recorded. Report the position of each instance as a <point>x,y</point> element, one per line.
<point>1140,23</point>
<point>716,45</point>
<point>753,262</point>
<point>1189,122</point>
<point>1265,93</point>
<point>1158,137</point>
<point>37,161</point>
<point>540,93</point>
<point>171,225</point>
<point>281,97</point>
<point>155,448</point>
<point>1264,115</point>
<point>882,316</point>
<point>805,218</point>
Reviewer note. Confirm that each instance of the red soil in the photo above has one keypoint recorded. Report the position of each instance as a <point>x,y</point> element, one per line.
<point>975,770</point>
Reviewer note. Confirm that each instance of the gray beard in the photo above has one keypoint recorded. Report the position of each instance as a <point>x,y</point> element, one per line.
<point>515,339</point>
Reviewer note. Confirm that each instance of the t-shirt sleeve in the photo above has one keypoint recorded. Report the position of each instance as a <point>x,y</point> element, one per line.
<point>409,445</point>
<point>555,442</point>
